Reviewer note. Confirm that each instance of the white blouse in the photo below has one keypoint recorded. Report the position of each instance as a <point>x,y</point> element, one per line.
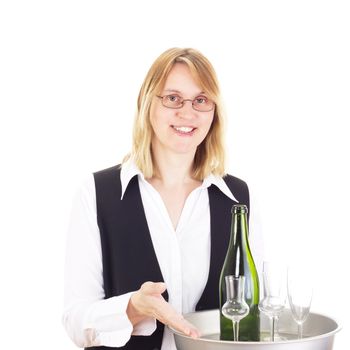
<point>91,320</point>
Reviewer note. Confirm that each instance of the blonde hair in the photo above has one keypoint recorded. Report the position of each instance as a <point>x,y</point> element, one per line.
<point>210,154</point>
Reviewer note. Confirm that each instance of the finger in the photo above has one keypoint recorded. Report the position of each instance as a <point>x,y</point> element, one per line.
<point>169,316</point>
<point>153,288</point>
<point>163,311</point>
<point>193,331</point>
<point>185,327</point>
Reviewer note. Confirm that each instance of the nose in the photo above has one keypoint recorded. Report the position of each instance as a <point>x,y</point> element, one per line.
<point>186,111</point>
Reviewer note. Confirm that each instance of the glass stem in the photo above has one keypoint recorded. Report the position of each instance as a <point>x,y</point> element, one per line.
<point>235,325</point>
<point>300,330</point>
<point>273,327</point>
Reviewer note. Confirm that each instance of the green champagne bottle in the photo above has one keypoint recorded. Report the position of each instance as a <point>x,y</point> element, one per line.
<point>239,262</point>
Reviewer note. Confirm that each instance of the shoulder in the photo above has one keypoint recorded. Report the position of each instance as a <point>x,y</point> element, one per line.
<point>108,172</point>
<point>234,181</point>
<point>108,183</point>
<point>84,194</point>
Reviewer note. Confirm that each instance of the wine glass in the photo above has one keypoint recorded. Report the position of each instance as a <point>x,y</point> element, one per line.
<point>235,307</point>
<point>300,292</point>
<point>274,280</point>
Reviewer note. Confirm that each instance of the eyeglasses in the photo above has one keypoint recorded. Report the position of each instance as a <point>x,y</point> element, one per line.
<point>200,103</point>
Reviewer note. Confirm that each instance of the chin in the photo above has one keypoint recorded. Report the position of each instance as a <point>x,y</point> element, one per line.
<point>180,149</point>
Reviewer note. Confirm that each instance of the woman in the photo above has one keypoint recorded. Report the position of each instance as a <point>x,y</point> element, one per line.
<point>148,238</point>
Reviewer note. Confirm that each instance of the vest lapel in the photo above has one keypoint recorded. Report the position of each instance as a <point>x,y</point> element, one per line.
<point>137,230</point>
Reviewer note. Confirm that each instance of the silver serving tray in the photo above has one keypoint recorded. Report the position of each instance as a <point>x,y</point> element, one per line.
<point>319,331</point>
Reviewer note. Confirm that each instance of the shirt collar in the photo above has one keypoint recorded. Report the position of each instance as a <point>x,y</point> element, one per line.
<point>130,169</point>
<point>219,182</point>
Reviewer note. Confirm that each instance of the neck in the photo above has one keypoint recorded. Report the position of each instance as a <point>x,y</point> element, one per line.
<point>172,169</point>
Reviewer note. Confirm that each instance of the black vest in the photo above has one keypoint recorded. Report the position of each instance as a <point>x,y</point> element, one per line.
<point>128,255</point>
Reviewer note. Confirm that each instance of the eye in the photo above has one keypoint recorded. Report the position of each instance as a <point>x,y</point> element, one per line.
<point>201,100</point>
<point>173,98</point>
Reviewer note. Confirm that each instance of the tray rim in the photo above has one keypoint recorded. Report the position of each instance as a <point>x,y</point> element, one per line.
<point>256,343</point>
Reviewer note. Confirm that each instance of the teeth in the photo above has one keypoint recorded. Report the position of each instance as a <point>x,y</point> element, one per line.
<point>183,128</point>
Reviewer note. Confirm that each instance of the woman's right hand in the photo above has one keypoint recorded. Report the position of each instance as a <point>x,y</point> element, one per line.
<point>149,302</point>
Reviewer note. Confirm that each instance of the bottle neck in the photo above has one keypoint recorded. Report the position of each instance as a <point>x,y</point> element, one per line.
<point>239,229</point>
<point>238,246</point>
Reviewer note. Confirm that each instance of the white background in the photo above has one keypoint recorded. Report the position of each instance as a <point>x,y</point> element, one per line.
<point>69,78</point>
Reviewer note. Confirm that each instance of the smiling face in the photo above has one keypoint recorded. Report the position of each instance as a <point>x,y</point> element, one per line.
<point>180,130</point>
